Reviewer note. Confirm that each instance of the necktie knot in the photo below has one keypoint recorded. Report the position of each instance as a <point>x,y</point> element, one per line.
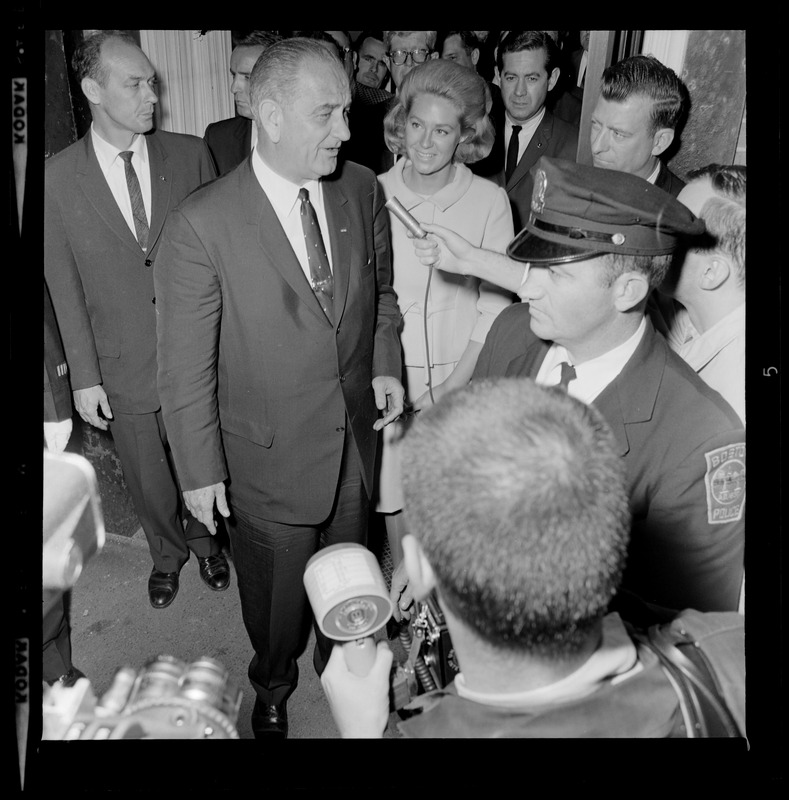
<point>568,374</point>
<point>126,155</point>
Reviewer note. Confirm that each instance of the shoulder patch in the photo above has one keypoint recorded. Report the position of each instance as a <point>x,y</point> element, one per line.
<point>725,482</point>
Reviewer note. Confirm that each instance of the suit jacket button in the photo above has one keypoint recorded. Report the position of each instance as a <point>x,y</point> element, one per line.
<point>148,262</point>
<point>154,301</point>
<point>342,378</point>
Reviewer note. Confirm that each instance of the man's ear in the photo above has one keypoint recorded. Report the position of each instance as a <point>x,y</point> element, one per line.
<point>421,577</point>
<point>715,273</point>
<point>475,56</point>
<point>91,90</point>
<point>630,288</point>
<point>661,140</point>
<point>270,116</point>
<point>554,76</point>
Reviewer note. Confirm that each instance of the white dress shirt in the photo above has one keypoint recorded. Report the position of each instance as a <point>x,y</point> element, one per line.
<point>114,169</point>
<point>616,659</point>
<point>284,197</point>
<point>525,134</point>
<point>591,376</point>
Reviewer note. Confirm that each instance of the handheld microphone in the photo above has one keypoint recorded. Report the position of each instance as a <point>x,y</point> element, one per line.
<point>397,208</point>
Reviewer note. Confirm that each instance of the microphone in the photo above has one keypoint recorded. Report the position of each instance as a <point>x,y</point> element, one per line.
<point>397,208</point>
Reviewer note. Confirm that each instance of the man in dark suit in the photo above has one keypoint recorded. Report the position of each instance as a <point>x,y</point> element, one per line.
<point>528,68</point>
<point>641,105</point>
<point>274,360</point>
<point>230,140</point>
<point>597,243</point>
<point>56,630</point>
<point>106,199</point>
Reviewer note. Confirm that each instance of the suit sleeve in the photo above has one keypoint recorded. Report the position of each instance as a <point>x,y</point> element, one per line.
<point>188,313</point>
<point>57,392</point>
<point>386,354</point>
<point>68,298</point>
<point>692,533</point>
<point>208,166</point>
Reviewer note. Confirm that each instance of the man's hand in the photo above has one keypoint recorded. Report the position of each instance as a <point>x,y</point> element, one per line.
<point>389,394</point>
<point>57,434</point>
<point>400,594</point>
<point>89,401</point>
<point>200,503</point>
<point>445,249</point>
<point>359,705</point>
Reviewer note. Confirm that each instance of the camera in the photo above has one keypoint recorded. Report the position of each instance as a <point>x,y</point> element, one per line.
<point>166,699</point>
<point>430,663</point>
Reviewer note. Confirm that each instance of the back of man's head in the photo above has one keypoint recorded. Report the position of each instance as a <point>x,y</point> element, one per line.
<point>256,39</point>
<point>724,212</point>
<point>518,500</point>
<point>646,76</point>
<point>516,41</point>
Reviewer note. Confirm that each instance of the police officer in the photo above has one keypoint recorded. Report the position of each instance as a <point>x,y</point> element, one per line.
<point>596,243</point>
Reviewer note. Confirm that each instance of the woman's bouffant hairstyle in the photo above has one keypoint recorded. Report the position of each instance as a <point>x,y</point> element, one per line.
<point>462,87</point>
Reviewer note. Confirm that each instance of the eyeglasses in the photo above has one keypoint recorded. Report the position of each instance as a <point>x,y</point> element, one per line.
<point>418,56</point>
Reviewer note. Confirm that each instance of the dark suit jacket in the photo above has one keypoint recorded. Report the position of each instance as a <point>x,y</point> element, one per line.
<point>554,137</point>
<point>57,391</point>
<point>230,141</point>
<point>100,280</point>
<point>682,443</point>
<point>256,383</point>
<point>668,181</point>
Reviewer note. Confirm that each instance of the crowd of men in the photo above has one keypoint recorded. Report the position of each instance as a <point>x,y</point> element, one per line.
<point>226,310</point>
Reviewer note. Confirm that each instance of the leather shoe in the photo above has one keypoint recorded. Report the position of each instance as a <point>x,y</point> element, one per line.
<point>270,722</point>
<point>215,572</point>
<point>162,588</point>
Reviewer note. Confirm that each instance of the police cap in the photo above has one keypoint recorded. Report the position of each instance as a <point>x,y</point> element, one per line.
<point>579,212</point>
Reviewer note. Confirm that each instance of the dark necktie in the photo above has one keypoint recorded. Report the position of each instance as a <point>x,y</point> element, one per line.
<point>568,374</point>
<point>512,152</point>
<point>321,278</point>
<point>138,207</point>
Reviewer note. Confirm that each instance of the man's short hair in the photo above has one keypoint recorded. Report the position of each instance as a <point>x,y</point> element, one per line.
<point>86,61</point>
<point>647,77</point>
<point>326,38</point>
<point>516,41</point>
<point>653,268</point>
<point>724,215</point>
<point>430,38</point>
<point>276,74</point>
<point>518,499</point>
<point>256,39</point>
<point>360,39</point>
<point>463,88</point>
<point>468,39</point>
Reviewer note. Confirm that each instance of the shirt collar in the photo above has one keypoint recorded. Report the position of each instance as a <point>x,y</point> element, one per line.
<point>615,659</point>
<point>655,172</point>
<point>528,127</point>
<point>107,153</point>
<point>282,193</point>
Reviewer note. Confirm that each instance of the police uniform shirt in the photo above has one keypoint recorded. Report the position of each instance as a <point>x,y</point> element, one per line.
<point>113,168</point>
<point>591,376</point>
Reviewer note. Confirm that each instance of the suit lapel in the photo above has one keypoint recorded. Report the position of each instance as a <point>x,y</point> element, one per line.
<point>631,396</point>
<point>536,147</point>
<point>161,188</point>
<point>339,224</point>
<point>93,184</point>
<point>273,241</point>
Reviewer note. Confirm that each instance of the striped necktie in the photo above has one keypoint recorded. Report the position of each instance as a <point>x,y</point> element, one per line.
<point>138,207</point>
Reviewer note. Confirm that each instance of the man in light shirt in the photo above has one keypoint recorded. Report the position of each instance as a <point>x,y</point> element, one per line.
<point>705,320</point>
<point>518,521</point>
<point>642,103</point>
<point>103,219</point>
<point>528,66</point>
<point>275,367</point>
<point>597,243</point>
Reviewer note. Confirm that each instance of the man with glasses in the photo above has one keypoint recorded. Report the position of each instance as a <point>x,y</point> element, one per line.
<point>406,49</point>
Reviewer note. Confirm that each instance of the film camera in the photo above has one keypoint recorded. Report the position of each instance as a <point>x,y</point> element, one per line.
<point>166,699</point>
